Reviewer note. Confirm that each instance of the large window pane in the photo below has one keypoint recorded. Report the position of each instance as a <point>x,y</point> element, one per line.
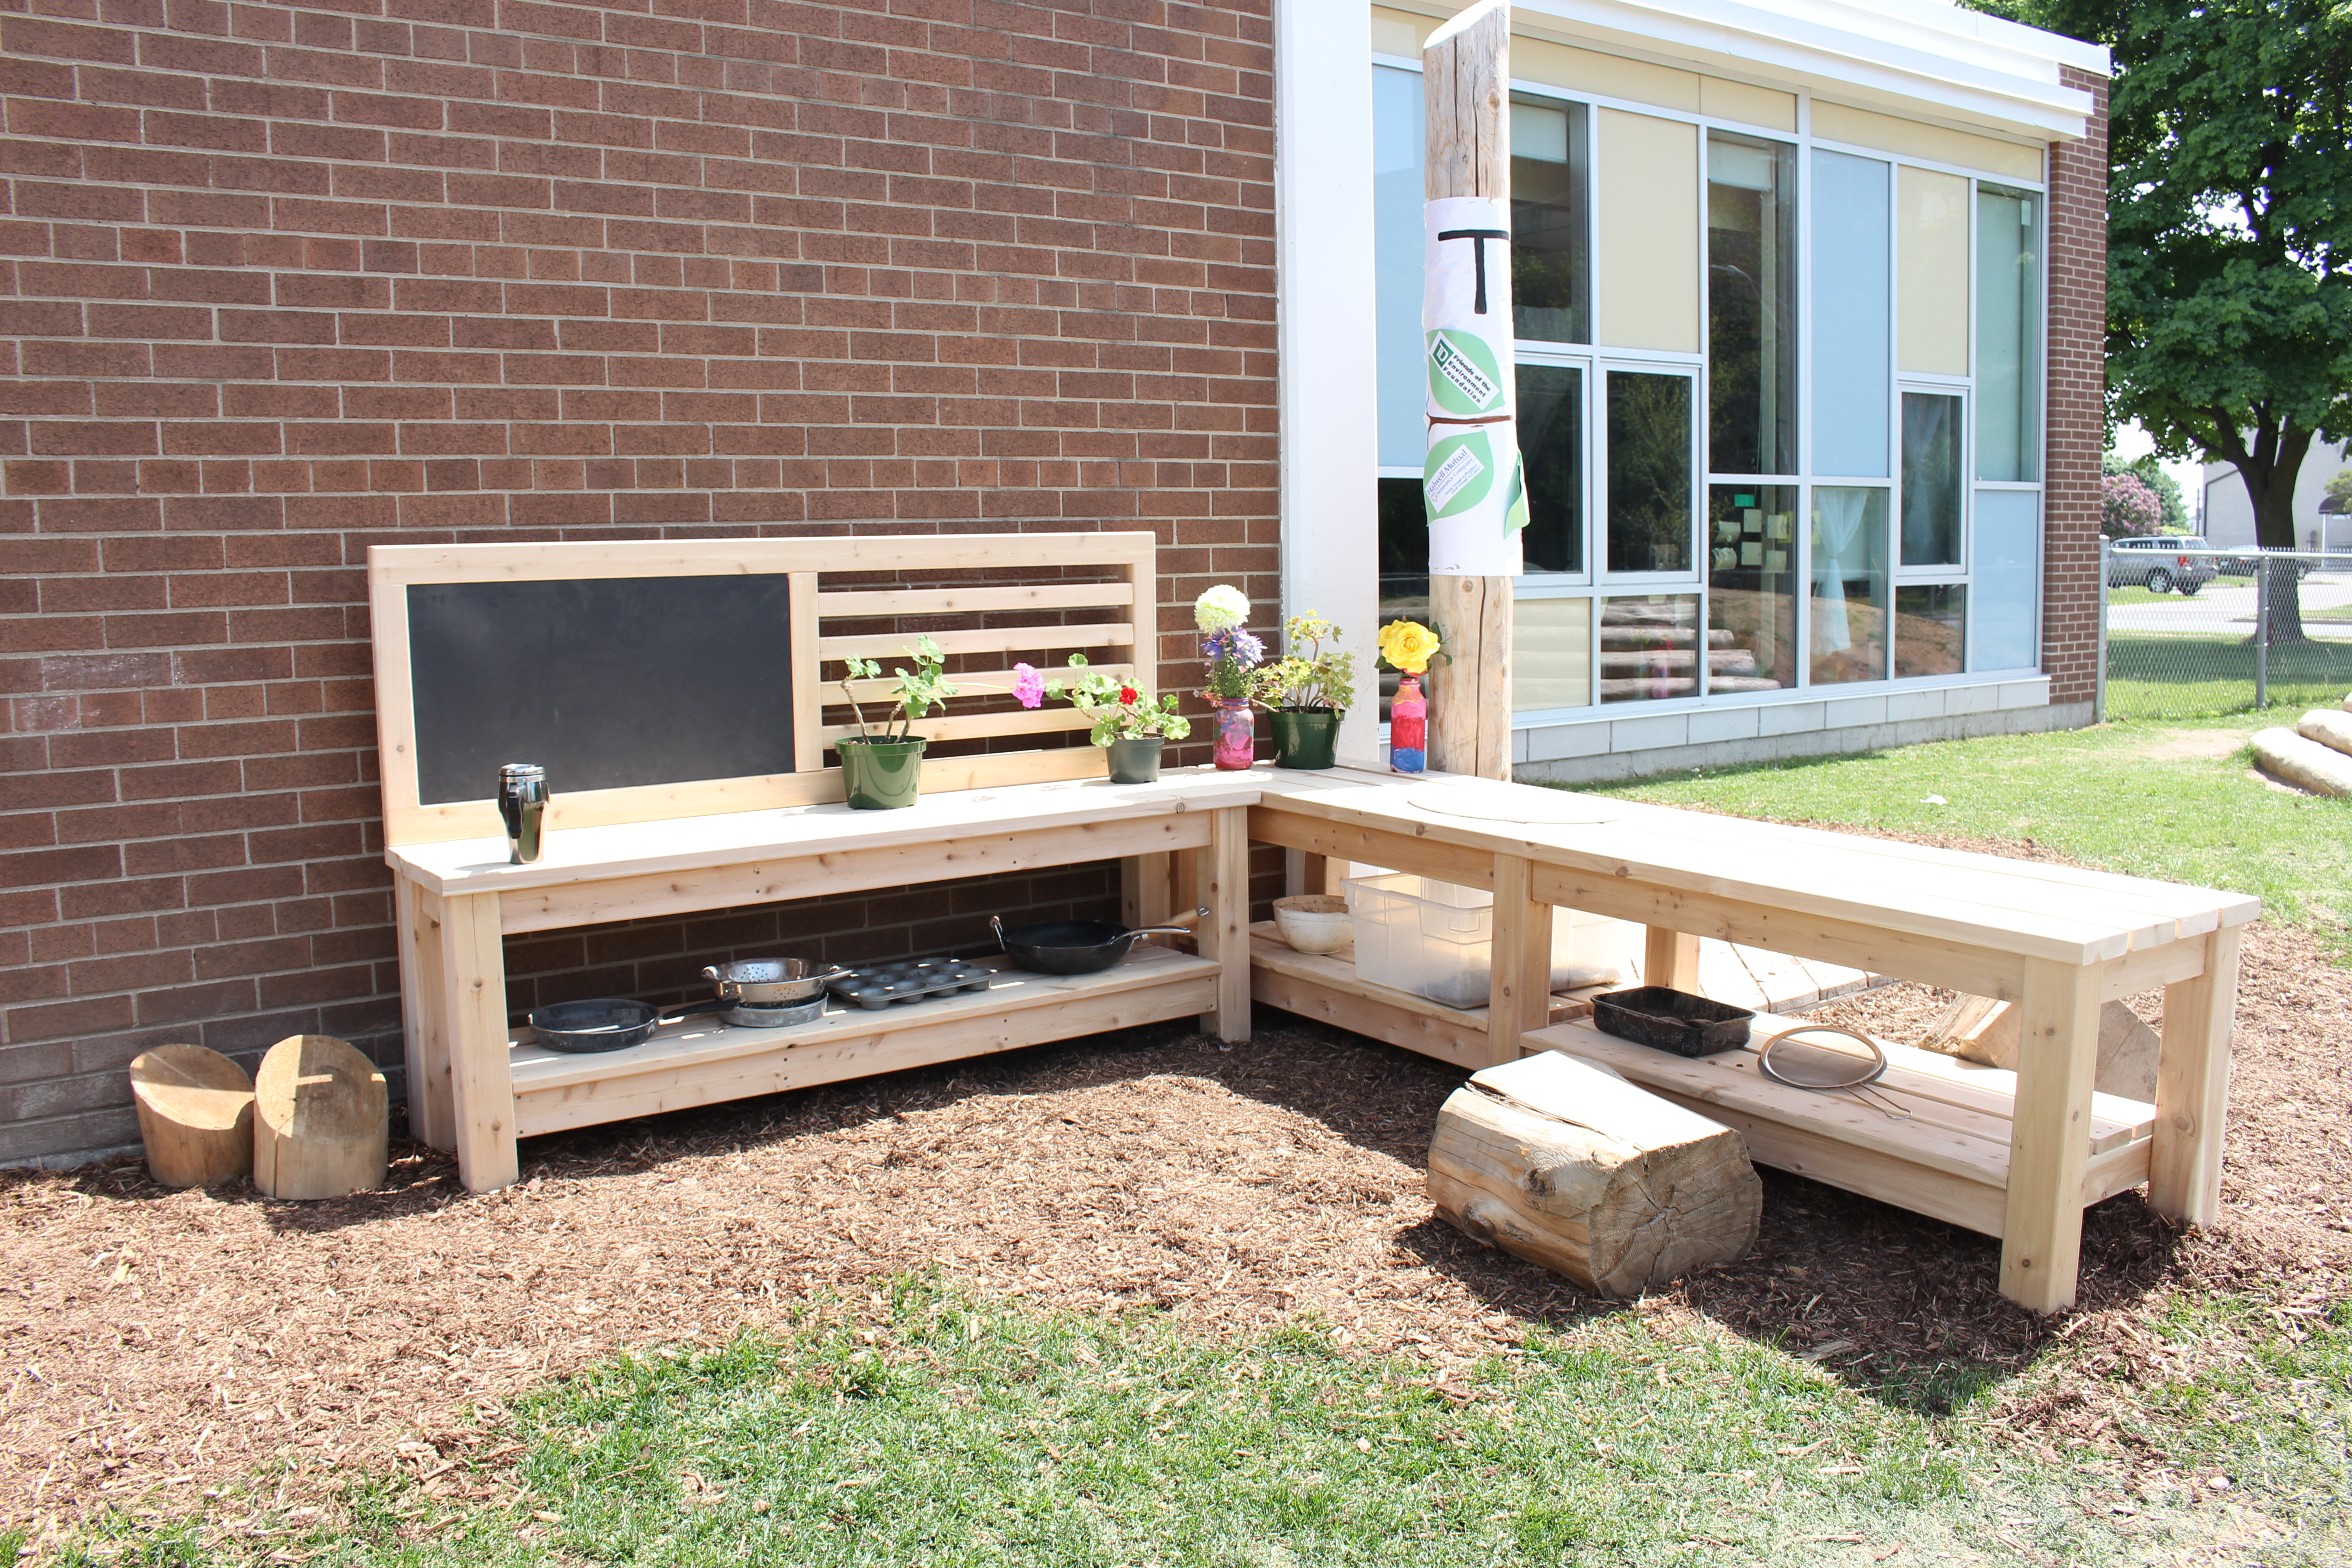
<point>1751,581</point>
<point>1853,355</point>
<point>1931,479</point>
<point>1930,627</point>
<point>2009,335</point>
<point>1649,473</point>
<point>1551,654</point>
<point>1751,305</point>
<point>1849,603</point>
<point>1398,137</point>
<point>1550,265</point>
<point>2008,559</point>
<point>1649,647</point>
<point>1404,552</point>
<point>1551,446</point>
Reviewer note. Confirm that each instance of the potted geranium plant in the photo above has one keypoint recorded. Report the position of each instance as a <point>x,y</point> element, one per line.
<point>1128,722</point>
<point>882,767</point>
<point>1308,690</point>
<point>1231,652</point>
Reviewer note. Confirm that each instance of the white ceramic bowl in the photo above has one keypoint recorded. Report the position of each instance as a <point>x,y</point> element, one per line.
<point>1314,922</point>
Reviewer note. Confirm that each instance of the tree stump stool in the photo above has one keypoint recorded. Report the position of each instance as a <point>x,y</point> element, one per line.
<point>1574,1168</point>
<point>319,1124</point>
<point>195,1115</point>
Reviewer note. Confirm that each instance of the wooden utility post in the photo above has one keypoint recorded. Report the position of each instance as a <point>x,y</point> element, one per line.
<point>1465,74</point>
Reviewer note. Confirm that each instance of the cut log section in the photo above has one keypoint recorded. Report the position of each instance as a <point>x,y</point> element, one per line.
<point>196,1116</point>
<point>2305,763</point>
<point>319,1124</point>
<point>1571,1167</point>
<point>1979,1029</point>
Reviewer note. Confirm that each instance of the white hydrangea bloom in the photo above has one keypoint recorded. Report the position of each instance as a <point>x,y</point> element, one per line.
<point>1221,608</point>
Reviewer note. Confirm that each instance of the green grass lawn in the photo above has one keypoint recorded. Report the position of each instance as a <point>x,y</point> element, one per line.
<point>2132,797</point>
<point>933,1432</point>
<point>2167,675</point>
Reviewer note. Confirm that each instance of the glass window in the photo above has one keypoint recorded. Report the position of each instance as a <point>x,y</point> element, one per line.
<point>1751,306</point>
<point>1397,139</point>
<point>1649,471</point>
<point>1930,623</point>
<point>1550,265</point>
<point>1931,479</point>
<point>1404,552</point>
<point>1849,604</point>
<point>1751,587</point>
<point>1649,647</point>
<point>1551,654</point>
<point>1551,447</point>
<point>2009,335</point>
<point>1853,354</point>
<point>2008,555</point>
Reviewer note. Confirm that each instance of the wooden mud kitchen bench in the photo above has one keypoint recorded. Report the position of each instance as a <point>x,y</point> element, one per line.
<point>676,685</point>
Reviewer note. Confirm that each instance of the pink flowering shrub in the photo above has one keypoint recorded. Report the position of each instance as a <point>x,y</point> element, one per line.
<point>2128,508</point>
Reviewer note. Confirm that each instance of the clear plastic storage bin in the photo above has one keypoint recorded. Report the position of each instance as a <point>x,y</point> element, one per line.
<point>1432,939</point>
<point>1437,939</point>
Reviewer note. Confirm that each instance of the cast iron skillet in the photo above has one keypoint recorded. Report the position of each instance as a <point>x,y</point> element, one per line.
<point>608,1023</point>
<point>1075,947</point>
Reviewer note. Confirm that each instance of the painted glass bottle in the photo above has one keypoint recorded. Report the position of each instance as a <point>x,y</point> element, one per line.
<point>1408,728</point>
<point>1236,733</point>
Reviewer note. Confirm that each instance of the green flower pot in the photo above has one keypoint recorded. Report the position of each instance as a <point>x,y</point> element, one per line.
<point>1136,760</point>
<point>1304,737</point>
<point>880,775</point>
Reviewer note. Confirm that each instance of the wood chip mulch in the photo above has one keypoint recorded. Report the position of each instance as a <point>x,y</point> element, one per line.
<point>162,1344</point>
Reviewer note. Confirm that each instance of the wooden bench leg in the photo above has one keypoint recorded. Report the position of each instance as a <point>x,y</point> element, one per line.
<point>1518,996</point>
<point>2192,1087</point>
<point>1222,882</point>
<point>481,1089</point>
<point>1670,958</point>
<point>1147,890</point>
<point>424,1021</point>
<point>2049,1139</point>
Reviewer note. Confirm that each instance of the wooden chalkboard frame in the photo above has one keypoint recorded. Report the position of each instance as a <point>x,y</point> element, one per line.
<point>393,569</point>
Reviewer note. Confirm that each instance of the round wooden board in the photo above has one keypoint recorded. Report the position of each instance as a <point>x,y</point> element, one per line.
<point>1548,808</point>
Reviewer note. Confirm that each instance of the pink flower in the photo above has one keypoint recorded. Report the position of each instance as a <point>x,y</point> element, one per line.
<point>1028,687</point>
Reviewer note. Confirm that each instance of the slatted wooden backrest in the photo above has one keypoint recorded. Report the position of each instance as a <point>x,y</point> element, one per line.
<point>1107,616</point>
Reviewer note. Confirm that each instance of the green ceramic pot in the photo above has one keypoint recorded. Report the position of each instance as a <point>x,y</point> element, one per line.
<point>880,775</point>
<point>1304,737</point>
<point>1136,760</point>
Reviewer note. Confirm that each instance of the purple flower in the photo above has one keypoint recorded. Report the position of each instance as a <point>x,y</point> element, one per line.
<point>1028,686</point>
<point>1235,644</point>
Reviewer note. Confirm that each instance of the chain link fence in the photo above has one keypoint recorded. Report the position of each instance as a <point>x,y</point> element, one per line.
<point>2192,633</point>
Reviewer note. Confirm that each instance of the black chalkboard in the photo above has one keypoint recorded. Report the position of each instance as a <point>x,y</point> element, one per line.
<point>606,682</point>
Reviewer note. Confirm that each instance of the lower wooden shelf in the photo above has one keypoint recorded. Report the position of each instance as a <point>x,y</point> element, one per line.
<point>701,1061</point>
<point>1948,1158</point>
<point>1319,985</point>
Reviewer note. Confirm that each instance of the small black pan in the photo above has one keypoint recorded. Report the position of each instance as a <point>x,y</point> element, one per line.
<point>1075,947</point>
<point>608,1023</point>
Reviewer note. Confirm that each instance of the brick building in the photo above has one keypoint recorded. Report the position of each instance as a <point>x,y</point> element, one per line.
<point>280,281</point>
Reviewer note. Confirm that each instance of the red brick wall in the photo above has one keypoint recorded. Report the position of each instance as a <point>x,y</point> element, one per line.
<point>2077,419</point>
<point>278,281</point>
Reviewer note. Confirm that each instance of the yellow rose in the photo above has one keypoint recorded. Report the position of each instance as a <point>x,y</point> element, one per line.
<point>1408,646</point>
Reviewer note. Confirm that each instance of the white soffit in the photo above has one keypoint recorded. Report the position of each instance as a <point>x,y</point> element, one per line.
<point>1924,59</point>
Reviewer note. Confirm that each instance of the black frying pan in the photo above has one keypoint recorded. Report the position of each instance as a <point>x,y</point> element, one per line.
<point>608,1023</point>
<point>1075,947</point>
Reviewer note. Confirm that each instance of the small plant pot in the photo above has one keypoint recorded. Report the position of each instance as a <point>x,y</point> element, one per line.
<point>1136,760</point>
<point>880,775</point>
<point>1305,737</point>
<point>1314,922</point>
<point>1237,739</point>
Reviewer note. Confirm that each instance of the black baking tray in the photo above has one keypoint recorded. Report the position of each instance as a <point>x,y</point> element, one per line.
<point>1670,1020</point>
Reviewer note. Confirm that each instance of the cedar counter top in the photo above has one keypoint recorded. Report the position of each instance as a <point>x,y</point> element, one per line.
<point>2057,940</point>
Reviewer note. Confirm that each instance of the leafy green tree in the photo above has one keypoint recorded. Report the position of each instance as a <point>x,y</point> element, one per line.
<point>2228,235</point>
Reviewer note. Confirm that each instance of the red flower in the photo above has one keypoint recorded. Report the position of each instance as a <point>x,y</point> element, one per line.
<point>1129,696</point>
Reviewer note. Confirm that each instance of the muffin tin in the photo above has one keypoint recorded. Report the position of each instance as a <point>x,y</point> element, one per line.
<point>909,979</point>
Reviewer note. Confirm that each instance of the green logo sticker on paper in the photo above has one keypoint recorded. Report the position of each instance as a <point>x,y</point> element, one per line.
<point>1459,472</point>
<point>1464,378</point>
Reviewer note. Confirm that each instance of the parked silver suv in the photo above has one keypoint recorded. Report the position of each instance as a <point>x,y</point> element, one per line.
<point>2161,564</point>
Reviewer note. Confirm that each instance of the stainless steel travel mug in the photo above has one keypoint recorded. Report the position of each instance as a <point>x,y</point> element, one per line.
<point>522,802</point>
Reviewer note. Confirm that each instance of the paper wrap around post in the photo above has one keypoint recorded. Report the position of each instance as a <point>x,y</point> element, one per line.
<point>1471,487</point>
